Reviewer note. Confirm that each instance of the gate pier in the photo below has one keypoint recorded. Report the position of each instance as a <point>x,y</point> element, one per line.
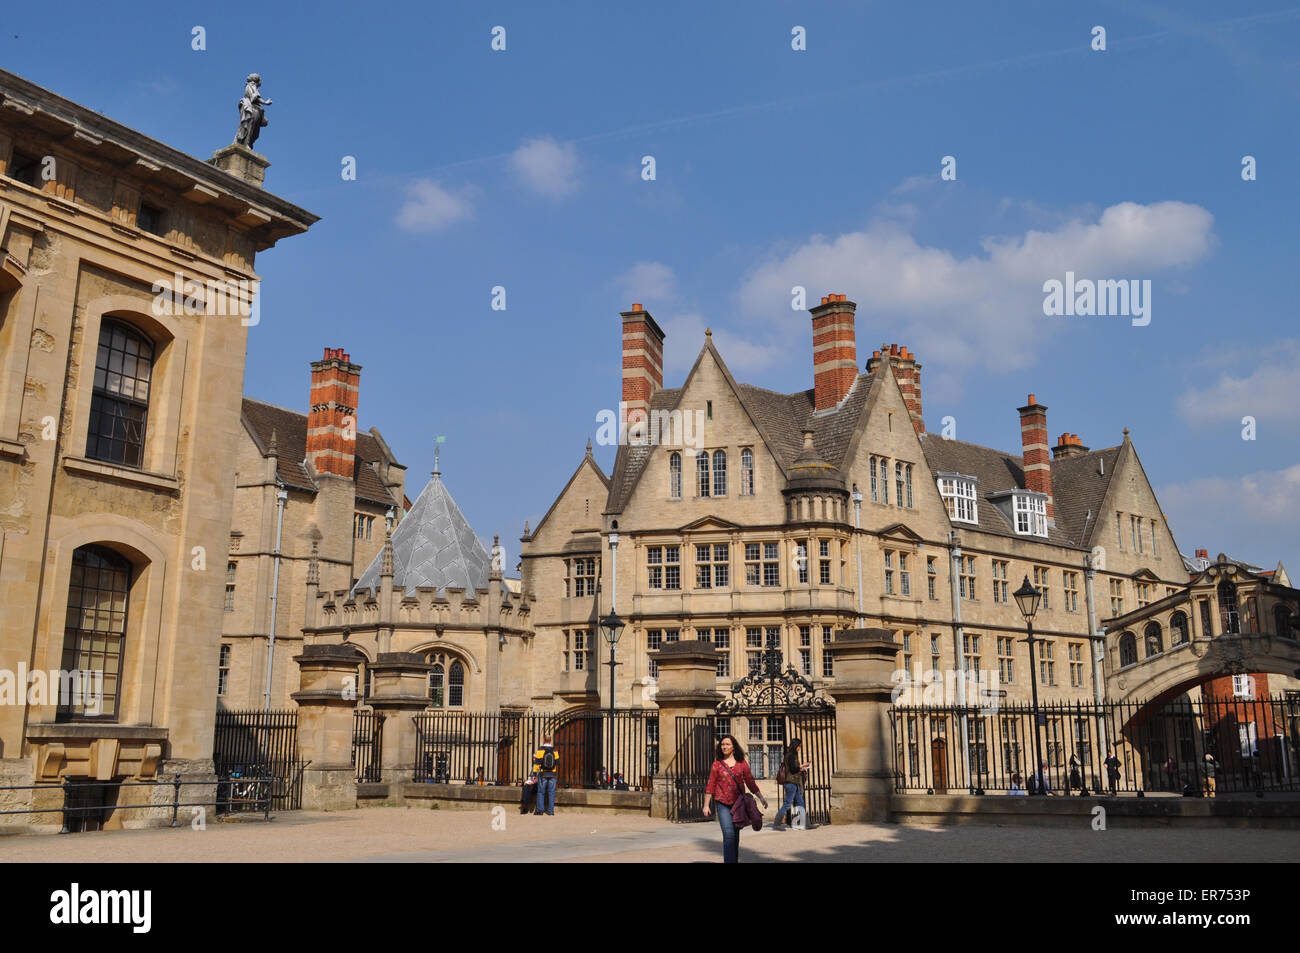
<point>863,782</point>
<point>326,702</point>
<point>400,688</point>
<point>687,675</point>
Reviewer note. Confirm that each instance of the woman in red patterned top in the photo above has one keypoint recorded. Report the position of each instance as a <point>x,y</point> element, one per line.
<point>726,778</point>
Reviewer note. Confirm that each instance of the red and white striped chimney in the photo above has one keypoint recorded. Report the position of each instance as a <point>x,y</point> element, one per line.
<point>332,414</point>
<point>1037,456</point>
<point>643,362</point>
<point>835,350</point>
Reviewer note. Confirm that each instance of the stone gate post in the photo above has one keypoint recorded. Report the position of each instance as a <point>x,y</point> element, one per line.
<point>399,689</point>
<point>687,675</point>
<point>326,701</point>
<point>863,782</point>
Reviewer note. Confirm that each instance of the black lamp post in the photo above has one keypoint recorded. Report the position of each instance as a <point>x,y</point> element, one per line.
<point>611,627</point>
<point>1028,598</point>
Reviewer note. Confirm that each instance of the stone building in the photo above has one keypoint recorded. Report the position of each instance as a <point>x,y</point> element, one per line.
<point>438,603</point>
<point>752,519</point>
<point>306,484</point>
<point>126,291</point>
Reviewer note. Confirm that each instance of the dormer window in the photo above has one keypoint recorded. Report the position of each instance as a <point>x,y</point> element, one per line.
<point>958,494</point>
<point>1031,514</point>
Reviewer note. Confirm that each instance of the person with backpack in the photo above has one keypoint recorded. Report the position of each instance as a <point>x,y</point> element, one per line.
<point>790,777</point>
<point>1211,769</point>
<point>1112,772</point>
<point>546,762</point>
<point>728,779</point>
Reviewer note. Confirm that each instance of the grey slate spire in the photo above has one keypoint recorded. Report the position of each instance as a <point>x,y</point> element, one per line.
<point>433,546</point>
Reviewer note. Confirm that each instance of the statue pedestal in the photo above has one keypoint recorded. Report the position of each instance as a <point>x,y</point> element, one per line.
<point>243,162</point>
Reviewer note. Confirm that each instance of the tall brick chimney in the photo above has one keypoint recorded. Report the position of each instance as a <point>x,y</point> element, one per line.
<point>1068,446</point>
<point>1033,441</point>
<point>643,360</point>
<point>332,417</point>
<point>908,374</point>
<point>835,350</point>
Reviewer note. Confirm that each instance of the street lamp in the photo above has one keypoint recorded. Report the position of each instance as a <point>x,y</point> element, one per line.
<point>1028,598</point>
<point>611,627</point>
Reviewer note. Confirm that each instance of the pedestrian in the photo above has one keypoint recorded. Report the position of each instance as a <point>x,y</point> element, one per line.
<point>1112,772</point>
<point>528,795</point>
<point>1171,769</point>
<point>477,779</point>
<point>546,761</point>
<point>1076,777</point>
<point>1211,767</point>
<point>1039,783</point>
<point>1017,788</point>
<point>791,778</point>
<point>728,779</point>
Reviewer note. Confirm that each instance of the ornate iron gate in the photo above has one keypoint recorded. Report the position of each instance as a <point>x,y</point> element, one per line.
<point>368,745</point>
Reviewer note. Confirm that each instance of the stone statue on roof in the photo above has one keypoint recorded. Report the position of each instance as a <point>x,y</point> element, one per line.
<point>498,554</point>
<point>252,117</point>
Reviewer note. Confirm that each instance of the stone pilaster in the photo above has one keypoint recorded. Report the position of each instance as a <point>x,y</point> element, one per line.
<point>687,674</point>
<point>326,701</point>
<point>399,690</point>
<point>863,782</point>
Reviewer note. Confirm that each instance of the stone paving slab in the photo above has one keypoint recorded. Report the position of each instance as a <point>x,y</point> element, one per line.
<point>402,835</point>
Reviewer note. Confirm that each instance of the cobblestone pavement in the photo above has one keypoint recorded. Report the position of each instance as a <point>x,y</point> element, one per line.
<point>422,836</point>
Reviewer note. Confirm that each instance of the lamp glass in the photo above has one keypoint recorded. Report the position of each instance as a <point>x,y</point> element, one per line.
<point>611,627</point>
<point>1028,598</point>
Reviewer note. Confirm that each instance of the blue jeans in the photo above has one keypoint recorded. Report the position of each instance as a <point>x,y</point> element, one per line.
<point>730,836</point>
<point>793,796</point>
<point>546,793</point>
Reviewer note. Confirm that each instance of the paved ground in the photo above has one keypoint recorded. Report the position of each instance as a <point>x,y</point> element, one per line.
<point>423,836</point>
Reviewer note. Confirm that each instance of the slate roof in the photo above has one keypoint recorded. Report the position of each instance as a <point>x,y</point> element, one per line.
<point>290,429</point>
<point>1078,485</point>
<point>433,546</point>
<point>782,418</point>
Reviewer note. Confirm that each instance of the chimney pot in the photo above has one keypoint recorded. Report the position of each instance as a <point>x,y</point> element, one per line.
<point>636,306</point>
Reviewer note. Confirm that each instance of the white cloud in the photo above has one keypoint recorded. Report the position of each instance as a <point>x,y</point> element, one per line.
<point>429,207</point>
<point>1244,516</point>
<point>546,166</point>
<point>1265,390</point>
<point>648,281</point>
<point>685,336</point>
<point>957,305</point>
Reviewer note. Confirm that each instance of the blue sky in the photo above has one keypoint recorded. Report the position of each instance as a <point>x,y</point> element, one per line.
<point>774,167</point>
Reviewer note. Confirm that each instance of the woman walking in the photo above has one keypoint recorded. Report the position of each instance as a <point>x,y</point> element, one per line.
<point>792,782</point>
<point>728,779</point>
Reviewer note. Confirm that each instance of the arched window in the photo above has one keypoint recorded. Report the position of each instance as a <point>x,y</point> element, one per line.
<point>907,472</point>
<point>884,481</point>
<point>119,402</point>
<point>702,471</point>
<point>719,472</point>
<point>875,490</point>
<point>1229,617</point>
<point>435,685</point>
<point>1282,622</point>
<point>747,472</point>
<point>1128,650</point>
<point>456,685</point>
<point>1178,628</point>
<point>95,632</point>
<point>898,484</point>
<point>675,476</point>
<point>1154,639</point>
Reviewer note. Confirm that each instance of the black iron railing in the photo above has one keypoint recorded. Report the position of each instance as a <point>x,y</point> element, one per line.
<point>261,744</point>
<point>367,744</point>
<point>86,804</point>
<point>1253,746</point>
<point>452,747</point>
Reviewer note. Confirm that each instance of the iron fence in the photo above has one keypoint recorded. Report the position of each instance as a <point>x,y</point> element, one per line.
<point>261,744</point>
<point>367,744</point>
<point>452,747</point>
<point>1205,747</point>
<point>87,804</point>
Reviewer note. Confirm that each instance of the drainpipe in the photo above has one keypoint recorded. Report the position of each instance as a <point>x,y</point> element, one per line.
<point>1098,645</point>
<point>954,568</point>
<point>857,532</point>
<point>281,496</point>
<point>613,598</point>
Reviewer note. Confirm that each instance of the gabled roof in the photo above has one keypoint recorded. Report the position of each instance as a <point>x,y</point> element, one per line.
<point>290,428</point>
<point>434,546</point>
<point>588,460</point>
<point>779,418</point>
<point>1079,486</point>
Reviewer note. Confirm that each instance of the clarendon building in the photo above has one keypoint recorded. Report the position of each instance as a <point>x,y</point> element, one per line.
<point>752,519</point>
<point>126,293</point>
